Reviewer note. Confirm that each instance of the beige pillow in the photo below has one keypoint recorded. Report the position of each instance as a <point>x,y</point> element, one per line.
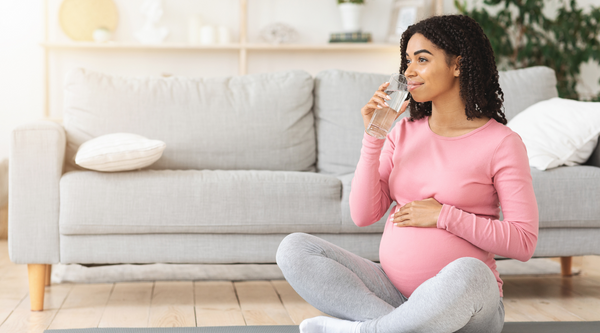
<point>119,152</point>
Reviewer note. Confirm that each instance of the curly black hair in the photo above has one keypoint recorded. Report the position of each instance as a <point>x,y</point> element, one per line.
<point>479,87</point>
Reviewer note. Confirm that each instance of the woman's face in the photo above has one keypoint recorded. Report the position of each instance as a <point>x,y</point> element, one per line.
<point>428,73</point>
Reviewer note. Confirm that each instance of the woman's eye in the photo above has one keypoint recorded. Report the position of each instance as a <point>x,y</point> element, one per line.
<point>408,61</point>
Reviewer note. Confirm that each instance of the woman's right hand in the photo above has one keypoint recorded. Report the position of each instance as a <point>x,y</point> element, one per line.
<point>378,101</point>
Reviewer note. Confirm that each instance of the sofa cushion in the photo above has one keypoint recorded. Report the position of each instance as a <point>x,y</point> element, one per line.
<point>524,87</point>
<point>251,122</point>
<point>339,96</point>
<point>198,201</point>
<point>567,196</point>
<point>348,226</point>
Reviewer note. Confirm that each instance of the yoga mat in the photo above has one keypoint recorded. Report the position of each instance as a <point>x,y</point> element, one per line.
<point>222,329</point>
<point>552,327</point>
<point>511,327</point>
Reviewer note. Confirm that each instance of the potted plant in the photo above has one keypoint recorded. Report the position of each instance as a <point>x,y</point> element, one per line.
<point>523,36</point>
<point>350,11</point>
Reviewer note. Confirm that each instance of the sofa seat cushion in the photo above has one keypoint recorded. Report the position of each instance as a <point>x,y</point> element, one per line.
<point>567,196</point>
<point>198,201</point>
<point>348,226</point>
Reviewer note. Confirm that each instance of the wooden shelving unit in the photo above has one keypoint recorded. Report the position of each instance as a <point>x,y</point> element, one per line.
<point>242,47</point>
<point>236,46</point>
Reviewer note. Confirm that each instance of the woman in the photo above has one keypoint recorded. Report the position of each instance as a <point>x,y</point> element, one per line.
<point>448,167</point>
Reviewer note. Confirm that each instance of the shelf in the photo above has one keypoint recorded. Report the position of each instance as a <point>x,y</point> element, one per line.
<point>132,46</point>
<point>323,47</point>
<point>233,46</point>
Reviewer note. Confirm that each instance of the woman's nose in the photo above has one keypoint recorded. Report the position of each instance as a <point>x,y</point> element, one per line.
<point>409,72</point>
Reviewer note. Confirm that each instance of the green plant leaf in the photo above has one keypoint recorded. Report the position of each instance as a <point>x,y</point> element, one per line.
<point>522,36</point>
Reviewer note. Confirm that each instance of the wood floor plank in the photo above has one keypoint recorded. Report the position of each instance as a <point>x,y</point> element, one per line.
<point>14,288</point>
<point>4,222</point>
<point>217,304</point>
<point>512,314</point>
<point>3,249</point>
<point>297,308</point>
<point>10,299</point>
<point>23,320</point>
<point>15,273</point>
<point>591,265</point>
<point>83,307</point>
<point>524,298</point>
<point>260,304</point>
<point>128,305</point>
<point>172,304</point>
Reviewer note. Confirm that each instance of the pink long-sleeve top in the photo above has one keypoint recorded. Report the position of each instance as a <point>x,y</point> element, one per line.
<point>471,175</point>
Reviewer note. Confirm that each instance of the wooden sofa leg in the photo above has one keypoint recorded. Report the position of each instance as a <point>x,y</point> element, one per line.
<point>565,265</point>
<point>37,279</point>
<point>48,274</point>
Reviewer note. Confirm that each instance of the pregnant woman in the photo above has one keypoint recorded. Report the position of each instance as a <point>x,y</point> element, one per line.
<point>448,168</point>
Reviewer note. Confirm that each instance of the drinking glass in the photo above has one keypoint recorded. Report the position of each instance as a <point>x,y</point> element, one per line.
<point>382,119</point>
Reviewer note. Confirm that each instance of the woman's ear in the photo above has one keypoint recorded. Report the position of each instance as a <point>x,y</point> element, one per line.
<point>457,66</point>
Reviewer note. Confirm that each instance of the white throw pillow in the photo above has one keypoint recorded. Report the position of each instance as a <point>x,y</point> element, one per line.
<point>558,131</point>
<point>119,152</point>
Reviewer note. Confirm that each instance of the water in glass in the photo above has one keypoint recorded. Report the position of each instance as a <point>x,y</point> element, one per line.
<point>382,119</point>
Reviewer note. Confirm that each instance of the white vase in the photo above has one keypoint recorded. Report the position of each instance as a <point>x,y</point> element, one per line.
<point>208,35</point>
<point>194,25</point>
<point>223,35</point>
<point>350,13</point>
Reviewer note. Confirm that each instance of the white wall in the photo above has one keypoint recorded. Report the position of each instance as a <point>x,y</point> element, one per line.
<point>21,61</point>
<point>21,64</point>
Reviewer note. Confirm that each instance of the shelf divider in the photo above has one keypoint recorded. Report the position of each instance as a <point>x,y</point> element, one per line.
<point>243,69</point>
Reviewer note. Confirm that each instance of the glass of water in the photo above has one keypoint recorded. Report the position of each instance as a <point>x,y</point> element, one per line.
<point>382,119</point>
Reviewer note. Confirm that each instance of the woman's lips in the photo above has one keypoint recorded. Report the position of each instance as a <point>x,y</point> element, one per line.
<point>414,86</point>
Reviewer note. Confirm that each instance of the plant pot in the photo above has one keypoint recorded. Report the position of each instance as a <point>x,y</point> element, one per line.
<point>351,14</point>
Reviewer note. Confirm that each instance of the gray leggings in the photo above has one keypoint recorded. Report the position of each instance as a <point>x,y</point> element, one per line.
<point>462,297</point>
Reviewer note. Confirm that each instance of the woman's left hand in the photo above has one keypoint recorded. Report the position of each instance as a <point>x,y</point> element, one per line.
<point>421,213</point>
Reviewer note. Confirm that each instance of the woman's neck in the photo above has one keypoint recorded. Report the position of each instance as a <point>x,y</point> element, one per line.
<point>448,111</point>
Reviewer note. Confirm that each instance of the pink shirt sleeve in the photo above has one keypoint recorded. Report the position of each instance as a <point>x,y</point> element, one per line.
<point>516,236</point>
<point>369,193</point>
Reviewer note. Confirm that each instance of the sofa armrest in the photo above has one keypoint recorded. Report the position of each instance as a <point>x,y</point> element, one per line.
<point>594,159</point>
<point>35,165</point>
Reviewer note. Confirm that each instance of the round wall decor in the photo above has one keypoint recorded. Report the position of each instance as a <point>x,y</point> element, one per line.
<point>79,18</point>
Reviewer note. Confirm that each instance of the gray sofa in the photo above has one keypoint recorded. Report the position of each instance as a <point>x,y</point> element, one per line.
<point>249,159</point>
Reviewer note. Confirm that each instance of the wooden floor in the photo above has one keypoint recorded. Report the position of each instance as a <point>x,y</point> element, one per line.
<point>218,303</point>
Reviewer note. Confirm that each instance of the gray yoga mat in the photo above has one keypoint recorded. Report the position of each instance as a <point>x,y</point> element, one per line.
<point>511,327</point>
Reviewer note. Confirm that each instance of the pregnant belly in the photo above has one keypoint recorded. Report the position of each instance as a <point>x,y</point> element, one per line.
<point>410,255</point>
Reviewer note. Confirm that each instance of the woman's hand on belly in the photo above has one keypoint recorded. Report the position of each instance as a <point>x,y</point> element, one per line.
<point>420,213</point>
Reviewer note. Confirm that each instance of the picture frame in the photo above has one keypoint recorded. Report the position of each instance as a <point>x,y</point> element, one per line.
<point>405,13</point>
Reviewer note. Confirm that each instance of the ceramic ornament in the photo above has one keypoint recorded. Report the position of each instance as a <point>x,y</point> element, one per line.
<point>151,32</point>
<point>278,33</point>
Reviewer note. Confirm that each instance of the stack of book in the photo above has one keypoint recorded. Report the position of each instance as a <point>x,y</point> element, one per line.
<point>350,37</point>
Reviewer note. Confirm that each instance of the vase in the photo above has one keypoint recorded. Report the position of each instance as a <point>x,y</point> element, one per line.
<point>350,13</point>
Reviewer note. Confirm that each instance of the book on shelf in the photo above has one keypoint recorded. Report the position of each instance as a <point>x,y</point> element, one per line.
<point>350,37</point>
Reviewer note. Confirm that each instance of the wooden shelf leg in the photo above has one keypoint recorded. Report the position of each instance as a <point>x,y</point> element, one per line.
<point>565,265</point>
<point>48,274</point>
<point>37,279</point>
